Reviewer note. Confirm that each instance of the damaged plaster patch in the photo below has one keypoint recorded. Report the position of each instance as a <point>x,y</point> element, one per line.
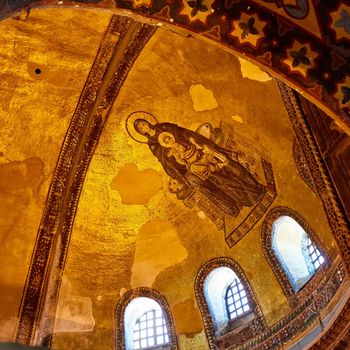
<point>202,98</point>
<point>191,321</point>
<point>157,248</point>
<point>52,77</point>
<point>20,183</point>
<point>136,187</point>
<point>122,291</point>
<point>197,342</point>
<point>237,118</point>
<point>201,215</point>
<point>253,72</point>
<point>8,328</point>
<point>74,313</point>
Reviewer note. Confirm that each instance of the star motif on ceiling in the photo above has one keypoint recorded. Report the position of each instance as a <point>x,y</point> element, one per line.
<point>343,94</point>
<point>300,58</point>
<point>197,10</point>
<point>248,29</point>
<point>142,3</point>
<point>341,22</point>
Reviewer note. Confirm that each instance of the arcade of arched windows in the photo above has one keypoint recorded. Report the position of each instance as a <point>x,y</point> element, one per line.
<point>230,310</point>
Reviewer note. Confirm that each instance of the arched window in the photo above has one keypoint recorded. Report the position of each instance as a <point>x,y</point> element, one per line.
<point>227,303</point>
<point>295,251</point>
<point>144,324</point>
<point>143,321</point>
<point>292,249</point>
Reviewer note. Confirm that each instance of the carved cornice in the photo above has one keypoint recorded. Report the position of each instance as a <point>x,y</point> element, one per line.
<point>320,291</point>
<point>267,231</point>
<point>338,336</point>
<point>123,41</point>
<point>303,316</point>
<point>258,324</point>
<point>119,326</point>
<point>337,219</point>
<point>302,166</point>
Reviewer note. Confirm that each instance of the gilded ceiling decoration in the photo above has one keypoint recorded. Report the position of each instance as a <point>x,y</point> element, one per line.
<point>302,165</point>
<point>305,44</point>
<point>168,163</point>
<point>123,41</point>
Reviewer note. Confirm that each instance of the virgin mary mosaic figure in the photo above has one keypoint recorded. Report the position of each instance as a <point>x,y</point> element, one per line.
<point>195,163</point>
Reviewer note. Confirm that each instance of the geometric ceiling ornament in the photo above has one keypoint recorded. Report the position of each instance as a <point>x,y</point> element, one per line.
<point>248,29</point>
<point>197,10</point>
<point>141,3</point>
<point>341,22</point>
<point>300,58</point>
<point>343,94</point>
<point>303,13</point>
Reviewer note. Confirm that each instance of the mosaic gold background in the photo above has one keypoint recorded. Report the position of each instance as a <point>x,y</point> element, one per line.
<point>130,231</point>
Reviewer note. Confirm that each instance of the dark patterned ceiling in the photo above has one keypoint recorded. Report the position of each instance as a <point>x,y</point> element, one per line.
<point>303,42</point>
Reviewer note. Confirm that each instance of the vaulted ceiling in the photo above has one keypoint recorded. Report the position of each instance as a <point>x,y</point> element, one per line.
<point>90,207</point>
<point>303,43</point>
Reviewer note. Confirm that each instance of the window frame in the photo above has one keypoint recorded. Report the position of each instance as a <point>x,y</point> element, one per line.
<point>119,323</point>
<point>294,296</point>
<point>257,324</point>
<point>229,288</point>
<point>154,327</point>
<point>316,251</point>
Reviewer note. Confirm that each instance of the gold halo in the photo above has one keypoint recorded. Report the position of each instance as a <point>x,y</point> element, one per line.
<point>161,139</point>
<point>130,127</point>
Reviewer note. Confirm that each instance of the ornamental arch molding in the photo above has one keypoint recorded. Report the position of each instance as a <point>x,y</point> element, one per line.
<point>119,325</point>
<point>119,48</point>
<point>258,325</point>
<point>267,241</point>
<point>313,59</point>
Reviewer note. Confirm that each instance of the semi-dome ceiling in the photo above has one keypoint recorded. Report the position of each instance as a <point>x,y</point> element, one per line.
<point>117,200</point>
<point>302,42</point>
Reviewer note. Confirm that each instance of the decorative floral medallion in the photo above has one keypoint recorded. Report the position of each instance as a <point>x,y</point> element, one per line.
<point>249,29</point>
<point>197,10</point>
<point>341,22</point>
<point>343,94</point>
<point>300,58</point>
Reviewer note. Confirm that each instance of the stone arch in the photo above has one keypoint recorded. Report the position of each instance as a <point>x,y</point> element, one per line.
<point>257,326</point>
<point>119,326</point>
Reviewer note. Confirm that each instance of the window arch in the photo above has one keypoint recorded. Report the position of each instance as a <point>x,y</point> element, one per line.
<point>293,252</point>
<point>143,321</point>
<point>227,303</point>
